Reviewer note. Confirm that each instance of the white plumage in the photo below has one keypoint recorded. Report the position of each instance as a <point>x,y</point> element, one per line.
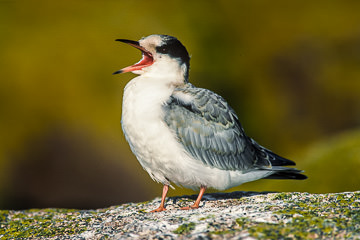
<point>187,135</point>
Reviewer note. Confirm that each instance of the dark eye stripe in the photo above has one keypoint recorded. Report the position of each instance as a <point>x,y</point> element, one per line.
<point>175,49</point>
<point>162,49</point>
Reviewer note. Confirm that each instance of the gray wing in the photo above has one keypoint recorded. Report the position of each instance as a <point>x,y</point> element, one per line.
<point>210,131</point>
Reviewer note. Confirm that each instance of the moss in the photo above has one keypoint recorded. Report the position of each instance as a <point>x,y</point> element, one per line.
<point>293,216</point>
<point>242,221</point>
<point>3,216</point>
<point>207,217</point>
<point>320,218</point>
<point>185,228</point>
<point>283,196</point>
<point>142,203</point>
<point>223,232</point>
<point>41,223</point>
<point>142,211</point>
<point>304,217</point>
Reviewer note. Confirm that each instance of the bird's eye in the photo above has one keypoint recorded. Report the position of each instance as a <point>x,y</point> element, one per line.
<point>162,50</point>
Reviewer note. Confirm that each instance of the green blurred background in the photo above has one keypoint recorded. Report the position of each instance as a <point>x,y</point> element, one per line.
<point>290,69</point>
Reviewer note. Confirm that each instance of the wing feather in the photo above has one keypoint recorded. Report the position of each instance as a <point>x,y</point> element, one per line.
<point>209,130</point>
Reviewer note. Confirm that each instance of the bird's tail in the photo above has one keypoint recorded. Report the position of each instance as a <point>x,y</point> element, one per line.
<point>286,173</point>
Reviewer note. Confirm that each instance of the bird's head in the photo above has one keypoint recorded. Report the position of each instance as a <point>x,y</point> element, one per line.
<point>162,56</point>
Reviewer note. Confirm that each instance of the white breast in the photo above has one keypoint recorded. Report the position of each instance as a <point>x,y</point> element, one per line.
<point>148,136</point>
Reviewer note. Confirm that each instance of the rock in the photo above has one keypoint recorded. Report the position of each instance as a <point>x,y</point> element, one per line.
<point>236,215</point>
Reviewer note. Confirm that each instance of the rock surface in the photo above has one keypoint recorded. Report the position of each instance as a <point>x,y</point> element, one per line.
<point>236,215</point>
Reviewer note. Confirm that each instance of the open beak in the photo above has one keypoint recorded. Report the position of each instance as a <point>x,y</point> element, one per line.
<point>146,60</point>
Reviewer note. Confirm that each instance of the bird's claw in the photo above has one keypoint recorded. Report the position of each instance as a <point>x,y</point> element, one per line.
<point>190,207</point>
<point>159,209</point>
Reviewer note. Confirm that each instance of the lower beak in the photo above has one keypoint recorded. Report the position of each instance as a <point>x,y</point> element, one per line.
<point>146,60</point>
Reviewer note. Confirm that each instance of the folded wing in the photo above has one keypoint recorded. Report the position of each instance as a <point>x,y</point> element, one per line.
<point>210,131</point>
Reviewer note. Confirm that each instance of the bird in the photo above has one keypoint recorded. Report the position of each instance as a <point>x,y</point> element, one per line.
<point>185,135</point>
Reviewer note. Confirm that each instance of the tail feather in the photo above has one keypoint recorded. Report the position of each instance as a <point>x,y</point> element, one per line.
<point>277,160</point>
<point>286,173</point>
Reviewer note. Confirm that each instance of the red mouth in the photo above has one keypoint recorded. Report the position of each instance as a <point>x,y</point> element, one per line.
<point>146,60</point>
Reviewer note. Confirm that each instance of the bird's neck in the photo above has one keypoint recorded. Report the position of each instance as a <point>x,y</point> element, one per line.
<point>148,90</point>
<point>154,86</point>
<point>166,72</point>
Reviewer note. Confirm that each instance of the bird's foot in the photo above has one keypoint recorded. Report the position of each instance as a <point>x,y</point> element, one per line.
<point>190,207</point>
<point>159,209</point>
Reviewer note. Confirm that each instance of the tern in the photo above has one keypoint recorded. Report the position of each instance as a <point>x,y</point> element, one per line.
<point>187,135</point>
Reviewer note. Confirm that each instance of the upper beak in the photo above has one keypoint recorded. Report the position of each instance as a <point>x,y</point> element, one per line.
<point>147,58</point>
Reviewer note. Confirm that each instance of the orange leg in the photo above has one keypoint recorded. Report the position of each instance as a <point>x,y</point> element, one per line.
<point>197,202</point>
<point>162,204</point>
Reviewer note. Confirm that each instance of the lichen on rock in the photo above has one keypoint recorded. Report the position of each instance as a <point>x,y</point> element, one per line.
<point>248,215</point>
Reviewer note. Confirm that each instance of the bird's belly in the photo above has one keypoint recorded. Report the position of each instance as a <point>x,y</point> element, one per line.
<point>164,158</point>
<point>159,153</point>
<point>156,149</point>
